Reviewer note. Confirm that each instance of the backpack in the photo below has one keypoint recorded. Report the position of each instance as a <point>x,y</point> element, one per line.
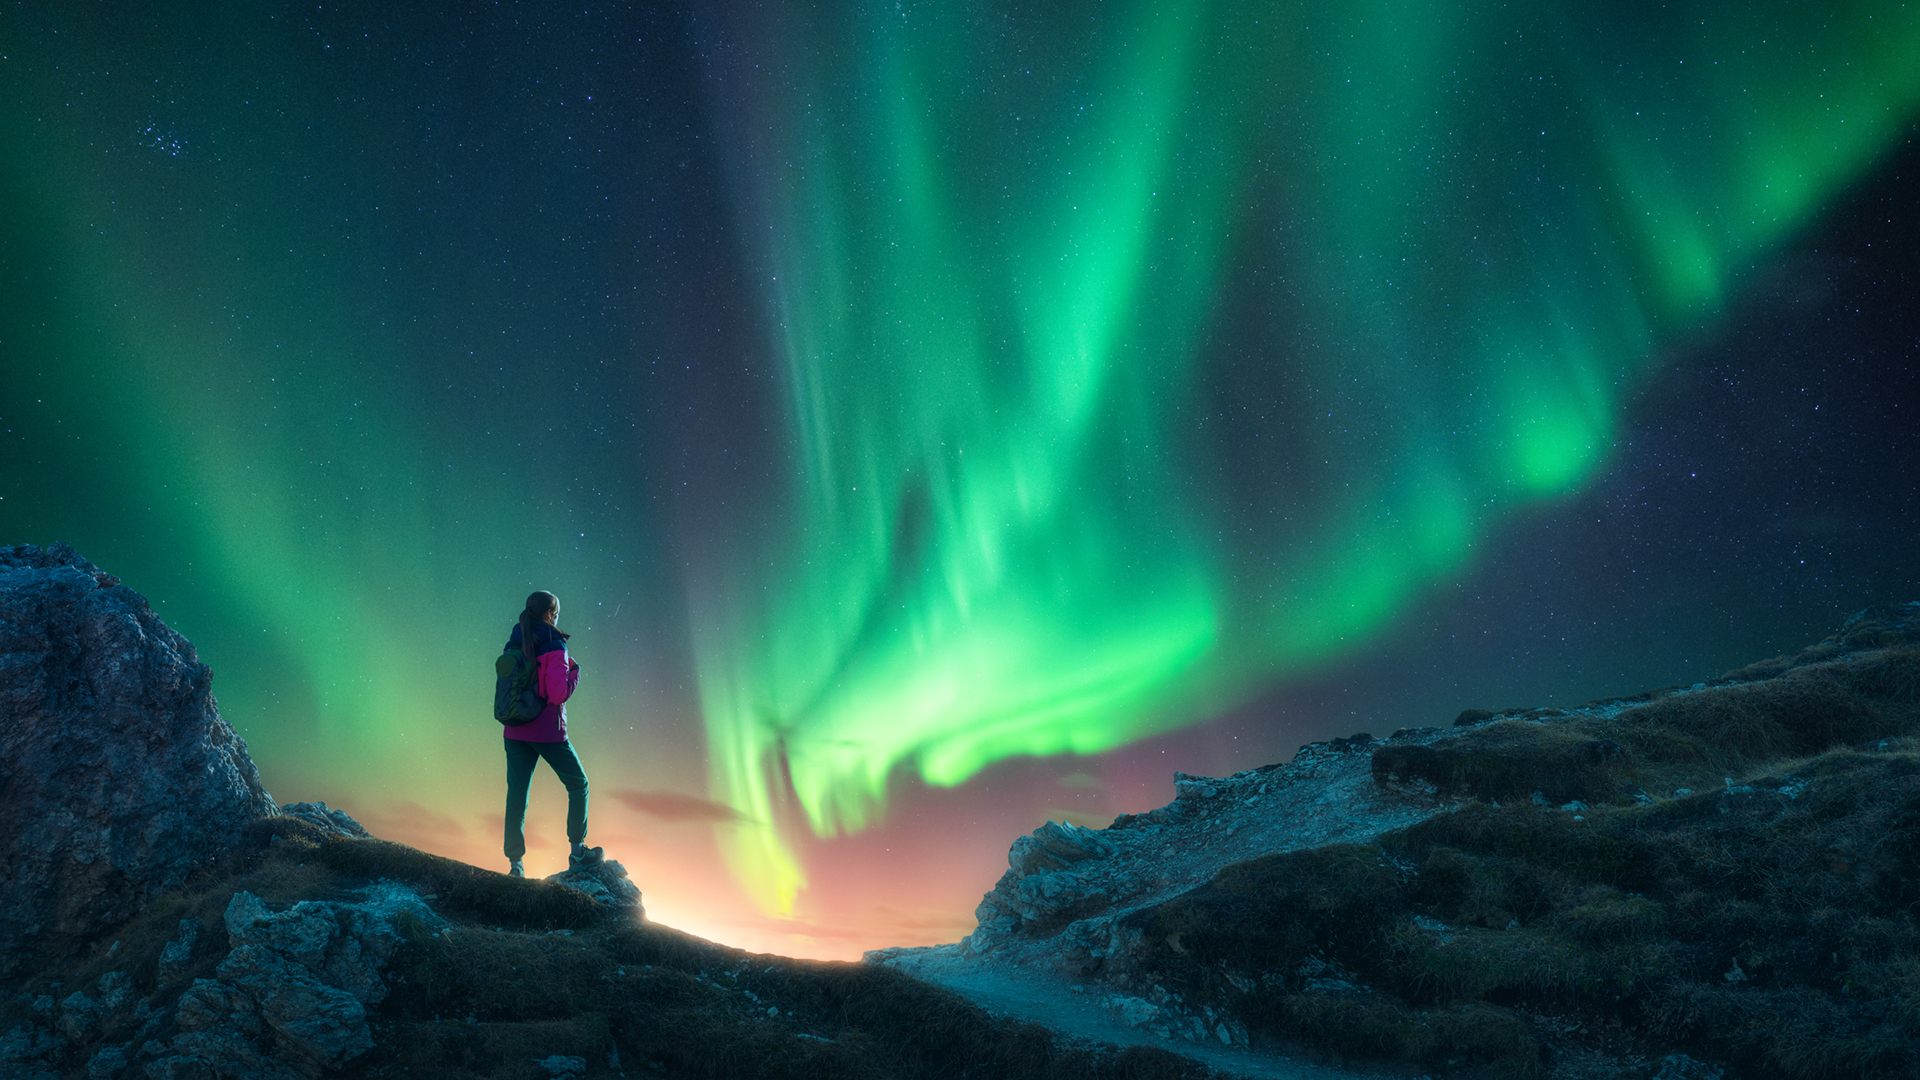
<point>515,701</point>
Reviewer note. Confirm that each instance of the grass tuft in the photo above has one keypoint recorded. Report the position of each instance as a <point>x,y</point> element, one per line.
<point>469,891</point>
<point>1740,879</point>
<point>1511,759</point>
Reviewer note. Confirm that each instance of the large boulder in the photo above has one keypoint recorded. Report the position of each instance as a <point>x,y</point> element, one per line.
<point>291,998</point>
<point>117,775</point>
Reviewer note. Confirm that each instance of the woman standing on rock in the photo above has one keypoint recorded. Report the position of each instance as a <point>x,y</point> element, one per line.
<point>539,636</point>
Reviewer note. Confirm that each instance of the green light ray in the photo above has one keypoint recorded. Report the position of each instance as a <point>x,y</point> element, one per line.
<point>349,538</point>
<point>996,239</point>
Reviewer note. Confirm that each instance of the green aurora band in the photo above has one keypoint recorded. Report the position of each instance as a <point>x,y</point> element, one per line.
<point>261,410</point>
<point>1133,355</point>
<point>1013,254</point>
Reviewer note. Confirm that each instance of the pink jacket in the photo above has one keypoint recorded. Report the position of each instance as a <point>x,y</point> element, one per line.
<point>555,676</point>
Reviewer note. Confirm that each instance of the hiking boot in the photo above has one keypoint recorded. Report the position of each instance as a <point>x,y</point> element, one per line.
<point>584,856</point>
<point>514,869</point>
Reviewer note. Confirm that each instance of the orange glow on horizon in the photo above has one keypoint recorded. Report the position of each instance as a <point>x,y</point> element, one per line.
<point>684,884</point>
<point>912,880</point>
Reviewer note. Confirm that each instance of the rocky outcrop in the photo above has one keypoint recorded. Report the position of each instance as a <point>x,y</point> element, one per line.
<point>328,820</point>
<point>117,775</point>
<point>290,999</point>
<point>1054,874</point>
<point>1066,884</point>
<point>607,883</point>
<point>29,1052</point>
<point>292,996</point>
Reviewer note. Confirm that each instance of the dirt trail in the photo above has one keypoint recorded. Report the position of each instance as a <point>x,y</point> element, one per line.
<point>1325,795</point>
<point>1042,996</point>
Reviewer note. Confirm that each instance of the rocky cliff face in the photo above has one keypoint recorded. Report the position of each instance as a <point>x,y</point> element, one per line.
<point>117,775</point>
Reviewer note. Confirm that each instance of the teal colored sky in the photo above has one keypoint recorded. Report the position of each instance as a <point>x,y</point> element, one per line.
<point>907,398</point>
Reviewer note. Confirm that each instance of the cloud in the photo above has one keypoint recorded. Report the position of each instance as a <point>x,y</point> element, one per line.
<point>410,823</point>
<point>673,806</point>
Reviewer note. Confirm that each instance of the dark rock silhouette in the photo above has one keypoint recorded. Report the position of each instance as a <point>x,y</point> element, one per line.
<point>117,775</point>
<point>328,820</point>
<point>292,995</point>
<point>607,883</point>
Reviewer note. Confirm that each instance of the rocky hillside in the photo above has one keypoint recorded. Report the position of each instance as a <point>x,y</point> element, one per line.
<point>1716,881</point>
<point>165,920</point>
<point>1720,878</point>
<point>311,950</point>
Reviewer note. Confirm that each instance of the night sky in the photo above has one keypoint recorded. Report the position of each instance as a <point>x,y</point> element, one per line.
<point>936,418</point>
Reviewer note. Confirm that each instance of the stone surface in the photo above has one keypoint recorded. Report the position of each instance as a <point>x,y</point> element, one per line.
<point>1065,884</point>
<point>606,882</point>
<point>324,1025</point>
<point>1053,876</point>
<point>177,958</point>
<point>82,1014</point>
<point>219,1054</point>
<point>295,988</point>
<point>108,1062</point>
<point>30,1053</point>
<point>337,822</point>
<point>117,775</point>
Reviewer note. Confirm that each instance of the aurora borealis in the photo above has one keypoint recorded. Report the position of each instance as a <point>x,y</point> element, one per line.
<point>936,417</point>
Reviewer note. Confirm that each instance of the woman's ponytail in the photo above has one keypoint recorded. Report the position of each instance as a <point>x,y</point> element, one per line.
<point>534,617</point>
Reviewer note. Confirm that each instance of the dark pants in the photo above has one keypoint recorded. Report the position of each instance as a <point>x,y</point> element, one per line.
<point>521,757</point>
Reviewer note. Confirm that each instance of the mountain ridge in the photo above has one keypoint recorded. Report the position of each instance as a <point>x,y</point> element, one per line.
<point>1114,914</point>
<point>1709,881</point>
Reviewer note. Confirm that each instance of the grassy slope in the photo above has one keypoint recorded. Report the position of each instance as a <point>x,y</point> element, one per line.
<point>1768,922</point>
<point>1743,884</point>
<point>530,969</point>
